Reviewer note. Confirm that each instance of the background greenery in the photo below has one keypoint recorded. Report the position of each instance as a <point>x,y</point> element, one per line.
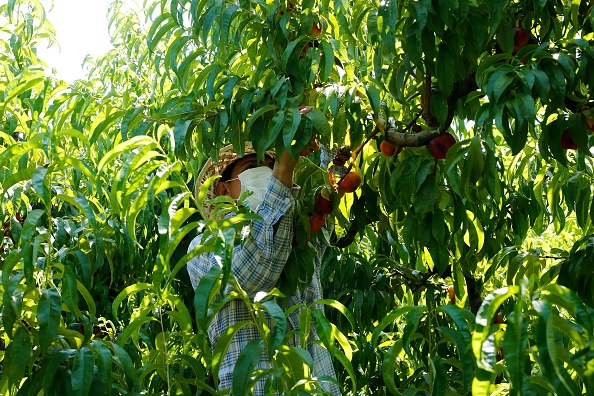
<point>97,205</point>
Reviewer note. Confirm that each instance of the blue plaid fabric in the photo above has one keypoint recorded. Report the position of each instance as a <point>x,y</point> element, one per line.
<point>257,265</point>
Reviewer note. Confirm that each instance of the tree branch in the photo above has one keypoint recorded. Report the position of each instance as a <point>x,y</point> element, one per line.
<point>474,295</point>
<point>461,89</point>
<point>350,235</point>
<point>410,139</point>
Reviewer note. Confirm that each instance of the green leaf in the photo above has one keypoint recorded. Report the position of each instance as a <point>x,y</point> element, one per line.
<point>76,163</point>
<point>223,345</point>
<point>338,355</point>
<point>266,140</point>
<point>123,359</point>
<point>319,121</point>
<point>104,364</point>
<point>296,362</point>
<point>246,363</point>
<point>327,61</point>
<point>131,328</point>
<point>18,354</point>
<point>373,95</point>
<point>412,323</point>
<point>484,316</point>
<point>426,197</point>
<point>82,372</point>
<point>179,132</point>
<point>339,307</point>
<point>456,313</point>
<point>280,326</point>
<point>78,135</point>
<point>52,366</point>
<point>389,367</point>
<point>49,312</point>
<point>130,144</point>
<point>228,15</point>
<point>208,286</point>
<point>125,294</point>
<point>496,8</point>
<point>476,161</point>
<point>498,84</point>
<point>39,183</point>
<point>154,36</point>
<point>515,342</point>
<point>542,85</point>
<point>21,175</point>
<point>445,68</point>
<point>440,382</point>
<point>390,319</point>
<point>21,88</point>
<point>324,330</point>
<point>257,114</point>
<point>70,291</point>
<point>82,204</point>
<point>109,119</point>
<point>292,120</point>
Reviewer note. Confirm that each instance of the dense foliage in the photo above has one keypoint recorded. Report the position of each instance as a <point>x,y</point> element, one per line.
<point>470,274</point>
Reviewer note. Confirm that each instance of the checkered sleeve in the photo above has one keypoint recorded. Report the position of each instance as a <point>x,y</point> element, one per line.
<point>264,253</point>
<point>198,266</point>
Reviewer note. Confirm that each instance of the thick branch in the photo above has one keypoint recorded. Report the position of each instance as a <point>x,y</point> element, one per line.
<point>461,89</point>
<point>350,235</point>
<point>474,294</point>
<point>427,115</point>
<point>410,139</point>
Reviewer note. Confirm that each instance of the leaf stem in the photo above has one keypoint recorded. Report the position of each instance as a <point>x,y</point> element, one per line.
<point>165,351</point>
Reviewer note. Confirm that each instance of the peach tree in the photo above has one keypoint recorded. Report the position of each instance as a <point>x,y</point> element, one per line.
<point>446,170</point>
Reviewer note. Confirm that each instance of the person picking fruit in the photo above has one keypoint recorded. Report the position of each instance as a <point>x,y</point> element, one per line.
<point>257,263</point>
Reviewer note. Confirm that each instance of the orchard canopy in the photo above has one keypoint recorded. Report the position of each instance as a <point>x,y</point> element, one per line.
<point>463,263</point>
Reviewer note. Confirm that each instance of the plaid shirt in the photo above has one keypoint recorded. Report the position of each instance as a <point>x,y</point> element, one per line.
<point>257,265</point>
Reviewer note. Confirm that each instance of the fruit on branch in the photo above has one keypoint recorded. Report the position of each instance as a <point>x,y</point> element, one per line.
<point>567,142</point>
<point>417,128</point>
<point>590,124</point>
<point>311,147</point>
<point>452,294</point>
<point>77,327</point>
<point>587,111</point>
<point>342,156</point>
<point>316,222</point>
<point>316,29</point>
<point>303,53</point>
<point>350,183</point>
<point>521,39</point>
<point>323,205</point>
<point>499,318</point>
<point>387,148</point>
<point>289,8</point>
<point>438,146</point>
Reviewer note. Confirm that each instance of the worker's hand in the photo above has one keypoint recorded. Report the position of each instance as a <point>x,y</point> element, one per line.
<point>284,166</point>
